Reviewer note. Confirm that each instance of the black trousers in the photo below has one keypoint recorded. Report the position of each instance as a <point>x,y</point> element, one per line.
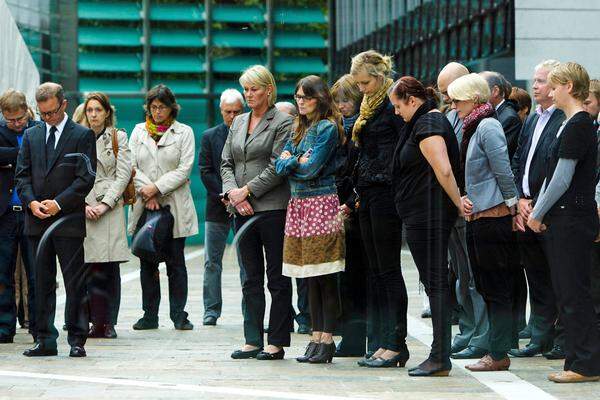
<point>353,292</point>
<point>491,251</point>
<point>381,230</point>
<point>266,235</point>
<point>427,235</point>
<point>569,242</point>
<point>595,277</point>
<point>541,296</point>
<point>324,301</point>
<point>519,298</point>
<point>178,284</point>
<point>104,292</point>
<point>69,251</point>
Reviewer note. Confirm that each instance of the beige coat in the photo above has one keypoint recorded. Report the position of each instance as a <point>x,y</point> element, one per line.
<point>168,164</point>
<point>105,239</point>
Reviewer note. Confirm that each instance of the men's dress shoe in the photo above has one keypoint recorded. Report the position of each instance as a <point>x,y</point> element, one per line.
<point>77,351</point>
<point>6,339</point>
<point>264,355</point>
<point>144,324</point>
<point>65,327</point>
<point>456,349</point>
<point>184,325</point>
<point>470,352</point>
<point>96,331</point>
<point>109,332</point>
<point>488,364</point>
<point>242,355</point>
<point>209,321</point>
<point>528,351</point>
<point>311,350</point>
<point>304,329</point>
<point>571,377</point>
<point>525,333</point>
<point>429,368</point>
<point>40,351</point>
<point>557,353</point>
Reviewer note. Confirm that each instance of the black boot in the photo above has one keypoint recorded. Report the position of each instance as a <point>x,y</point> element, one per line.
<point>324,353</point>
<point>311,350</point>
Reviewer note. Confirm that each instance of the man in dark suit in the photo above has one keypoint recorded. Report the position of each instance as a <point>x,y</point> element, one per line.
<point>529,168</point>
<point>55,171</point>
<point>218,222</point>
<point>17,118</point>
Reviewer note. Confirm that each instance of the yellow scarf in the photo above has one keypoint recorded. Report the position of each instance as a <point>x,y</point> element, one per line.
<point>368,106</point>
<point>156,131</point>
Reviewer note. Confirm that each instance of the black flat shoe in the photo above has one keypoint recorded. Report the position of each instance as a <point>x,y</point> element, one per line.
<point>96,331</point>
<point>557,353</point>
<point>243,355</point>
<point>145,324</point>
<point>40,351</point>
<point>324,354</point>
<point>209,321</point>
<point>266,356</point>
<point>428,368</point>
<point>528,351</point>
<point>311,350</point>
<point>396,361</point>
<point>184,325</point>
<point>469,353</point>
<point>77,351</point>
<point>109,332</point>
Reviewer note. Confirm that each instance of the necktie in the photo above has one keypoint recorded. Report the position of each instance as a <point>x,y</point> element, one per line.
<point>50,146</point>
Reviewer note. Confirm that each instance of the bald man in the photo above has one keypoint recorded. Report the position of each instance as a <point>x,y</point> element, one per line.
<point>472,340</point>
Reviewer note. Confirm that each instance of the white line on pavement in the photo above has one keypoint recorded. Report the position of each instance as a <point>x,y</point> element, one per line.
<point>178,387</point>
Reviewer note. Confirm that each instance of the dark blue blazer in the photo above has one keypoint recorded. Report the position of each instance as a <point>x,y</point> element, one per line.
<point>9,149</point>
<point>209,160</point>
<point>68,179</point>
<point>512,125</point>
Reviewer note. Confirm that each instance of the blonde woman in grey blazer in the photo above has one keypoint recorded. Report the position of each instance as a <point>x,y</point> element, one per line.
<point>489,204</point>
<point>251,187</point>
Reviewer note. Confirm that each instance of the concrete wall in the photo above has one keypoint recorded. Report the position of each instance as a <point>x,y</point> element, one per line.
<point>565,30</point>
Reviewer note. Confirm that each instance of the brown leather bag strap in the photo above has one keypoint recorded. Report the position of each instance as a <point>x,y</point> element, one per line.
<point>115,143</point>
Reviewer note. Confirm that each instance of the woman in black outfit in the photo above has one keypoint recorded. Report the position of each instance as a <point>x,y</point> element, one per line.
<point>567,208</point>
<point>376,131</point>
<point>427,199</point>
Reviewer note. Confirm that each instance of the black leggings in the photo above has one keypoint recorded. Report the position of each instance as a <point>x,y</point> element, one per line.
<point>324,302</point>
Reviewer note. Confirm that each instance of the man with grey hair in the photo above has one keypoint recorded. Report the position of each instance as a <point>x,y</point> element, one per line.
<point>287,107</point>
<point>56,169</point>
<point>511,123</point>
<point>471,342</point>
<point>529,168</point>
<point>218,222</point>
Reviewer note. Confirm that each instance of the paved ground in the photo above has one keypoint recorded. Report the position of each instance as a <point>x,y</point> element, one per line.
<point>168,364</point>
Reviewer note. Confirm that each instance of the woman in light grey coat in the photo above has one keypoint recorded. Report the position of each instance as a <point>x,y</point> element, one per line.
<point>489,207</point>
<point>105,245</point>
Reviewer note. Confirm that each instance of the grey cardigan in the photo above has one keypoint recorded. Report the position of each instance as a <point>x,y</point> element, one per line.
<point>250,160</point>
<point>488,177</point>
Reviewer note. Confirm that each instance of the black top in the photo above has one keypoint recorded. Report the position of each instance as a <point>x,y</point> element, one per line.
<point>209,160</point>
<point>347,155</point>
<point>576,142</point>
<point>511,123</point>
<point>416,188</point>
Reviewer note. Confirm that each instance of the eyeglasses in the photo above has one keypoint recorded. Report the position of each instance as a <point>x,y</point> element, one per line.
<point>304,98</point>
<point>154,108</point>
<point>49,114</point>
<point>17,120</point>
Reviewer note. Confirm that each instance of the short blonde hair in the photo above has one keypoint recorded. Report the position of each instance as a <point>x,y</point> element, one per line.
<point>373,63</point>
<point>262,77</point>
<point>12,100</point>
<point>595,88</point>
<point>472,87</point>
<point>574,73</point>
<point>346,88</point>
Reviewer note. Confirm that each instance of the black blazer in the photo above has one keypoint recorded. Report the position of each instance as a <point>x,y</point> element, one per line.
<point>511,123</point>
<point>537,169</point>
<point>209,160</point>
<point>9,149</point>
<point>68,180</point>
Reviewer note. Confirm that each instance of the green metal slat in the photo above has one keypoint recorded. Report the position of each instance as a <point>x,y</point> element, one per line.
<point>177,12</point>
<point>109,36</point>
<point>177,63</point>
<point>235,64</point>
<point>290,15</point>
<point>238,39</point>
<point>239,14</point>
<point>89,84</point>
<point>110,62</point>
<point>300,65</point>
<point>112,10</point>
<point>177,38</point>
<point>193,111</point>
<point>299,40</point>
<point>182,86</point>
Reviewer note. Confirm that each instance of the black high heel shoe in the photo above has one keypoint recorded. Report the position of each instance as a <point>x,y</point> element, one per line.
<point>265,355</point>
<point>324,353</point>
<point>311,350</point>
<point>430,368</point>
<point>396,361</point>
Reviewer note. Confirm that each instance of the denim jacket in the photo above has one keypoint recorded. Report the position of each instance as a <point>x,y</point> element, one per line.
<point>316,176</point>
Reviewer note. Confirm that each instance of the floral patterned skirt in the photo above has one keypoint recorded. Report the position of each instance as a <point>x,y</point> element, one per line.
<point>314,237</point>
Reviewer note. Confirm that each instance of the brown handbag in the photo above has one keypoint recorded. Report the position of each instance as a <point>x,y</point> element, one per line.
<point>129,192</point>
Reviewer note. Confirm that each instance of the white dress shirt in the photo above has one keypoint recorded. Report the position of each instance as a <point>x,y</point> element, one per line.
<point>59,129</point>
<point>499,104</point>
<point>544,117</point>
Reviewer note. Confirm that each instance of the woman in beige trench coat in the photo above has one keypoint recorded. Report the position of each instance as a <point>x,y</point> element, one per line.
<point>163,156</point>
<point>105,245</point>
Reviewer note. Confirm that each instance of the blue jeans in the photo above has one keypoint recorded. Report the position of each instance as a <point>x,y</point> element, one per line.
<point>11,238</point>
<point>215,240</point>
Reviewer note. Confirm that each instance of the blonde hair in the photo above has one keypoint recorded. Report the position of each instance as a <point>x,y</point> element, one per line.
<point>472,87</point>
<point>346,88</point>
<point>373,63</point>
<point>79,116</point>
<point>595,88</point>
<point>12,100</point>
<point>548,65</point>
<point>262,77</point>
<point>574,73</point>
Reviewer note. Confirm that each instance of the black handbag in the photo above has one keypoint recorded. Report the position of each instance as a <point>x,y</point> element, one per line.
<point>153,235</point>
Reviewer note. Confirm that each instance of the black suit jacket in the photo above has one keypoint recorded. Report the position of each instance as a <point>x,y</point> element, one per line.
<point>209,160</point>
<point>537,169</point>
<point>511,123</point>
<point>9,149</point>
<point>68,180</point>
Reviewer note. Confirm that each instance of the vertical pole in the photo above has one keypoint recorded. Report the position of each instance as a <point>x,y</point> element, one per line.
<point>209,87</point>
<point>270,36</point>
<point>146,43</point>
<point>331,41</point>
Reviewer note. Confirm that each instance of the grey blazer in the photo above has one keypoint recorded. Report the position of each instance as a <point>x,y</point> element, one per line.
<point>488,177</point>
<point>250,160</point>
